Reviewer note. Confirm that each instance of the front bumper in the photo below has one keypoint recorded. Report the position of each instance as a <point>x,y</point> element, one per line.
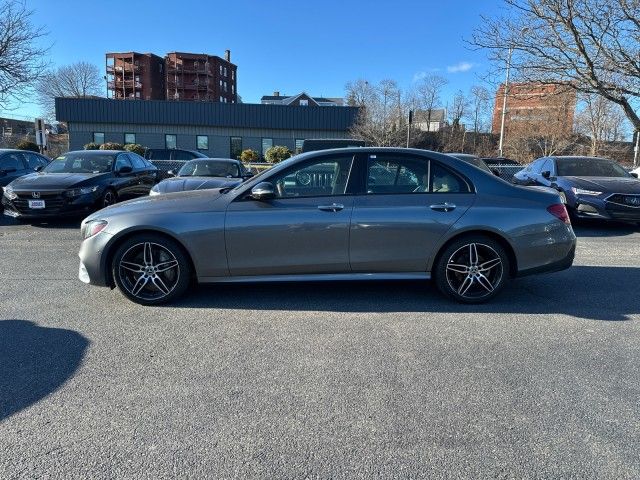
<point>93,267</point>
<point>55,206</point>
<point>606,208</point>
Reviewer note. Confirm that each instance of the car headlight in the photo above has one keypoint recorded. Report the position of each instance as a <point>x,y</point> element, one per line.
<point>9,193</point>
<point>76,192</point>
<point>154,191</point>
<point>92,228</point>
<point>582,191</point>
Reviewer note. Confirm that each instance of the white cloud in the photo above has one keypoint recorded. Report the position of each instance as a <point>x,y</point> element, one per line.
<point>460,67</point>
<point>425,73</point>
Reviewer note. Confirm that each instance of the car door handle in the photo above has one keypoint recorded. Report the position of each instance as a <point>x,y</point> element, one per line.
<point>443,207</point>
<point>334,207</point>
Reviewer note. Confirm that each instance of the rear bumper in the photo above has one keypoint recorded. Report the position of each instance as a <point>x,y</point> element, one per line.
<point>556,266</point>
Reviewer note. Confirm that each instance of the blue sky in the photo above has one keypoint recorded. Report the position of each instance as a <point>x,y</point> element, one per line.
<point>289,46</point>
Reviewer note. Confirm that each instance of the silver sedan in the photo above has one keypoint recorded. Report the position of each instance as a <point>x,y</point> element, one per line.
<point>344,214</point>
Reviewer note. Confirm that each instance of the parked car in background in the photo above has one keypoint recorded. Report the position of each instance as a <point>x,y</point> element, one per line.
<point>590,187</point>
<point>473,160</point>
<point>344,214</point>
<point>16,163</point>
<point>78,183</point>
<point>172,154</point>
<point>203,173</point>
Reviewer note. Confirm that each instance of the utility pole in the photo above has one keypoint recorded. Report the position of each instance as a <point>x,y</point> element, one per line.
<point>409,127</point>
<point>504,102</point>
<point>636,149</point>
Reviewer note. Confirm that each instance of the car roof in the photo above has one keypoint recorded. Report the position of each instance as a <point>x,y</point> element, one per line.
<point>97,152</point>
<point>228,160</point>
<point>579,157</point>
<point>6,150</point>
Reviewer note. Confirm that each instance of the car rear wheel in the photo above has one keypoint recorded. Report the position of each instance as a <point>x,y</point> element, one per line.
<point>151,269</point>
<point>472,269</point>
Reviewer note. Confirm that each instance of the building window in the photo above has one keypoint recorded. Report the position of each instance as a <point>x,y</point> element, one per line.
<point>299,142</point>
<point>220,69</point>
<point>267,143</point>
<point>170,141</point>
<point>202,142</point>
<point>236,147</point>
<point>221,99</point>
<point>233,90</point>
<point>225,71</point>
<point>304,103</point>
<point>129,138</point>
<point>98,137</point>
<point>233,75</point>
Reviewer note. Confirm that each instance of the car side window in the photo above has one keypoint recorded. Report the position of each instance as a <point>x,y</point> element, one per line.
<point>444,180</point>
<point>387,173</point>
<point>122,161</point>
<point>137,161</point>
<point>323,177</point>
<point>11,161</point>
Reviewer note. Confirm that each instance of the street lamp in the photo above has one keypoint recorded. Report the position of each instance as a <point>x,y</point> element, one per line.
<point>504,96</point>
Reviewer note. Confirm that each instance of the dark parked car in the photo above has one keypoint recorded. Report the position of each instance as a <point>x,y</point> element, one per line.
<point>77,183</point>
<point>172,154</point>
<point>590,187</point>
<point>473,160</point>
<point>16,163</point>
<point>344,214</point>
<point>204,173</point>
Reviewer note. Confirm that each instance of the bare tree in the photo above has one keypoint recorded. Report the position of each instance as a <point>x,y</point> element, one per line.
<point>600,120</point>
<point>360,93</point>
<point>592,46</point>
<point>428,94</point>
<point>22,60</point>
<point>80,79</point>
<point>480,103</point>
<point>459,109</point>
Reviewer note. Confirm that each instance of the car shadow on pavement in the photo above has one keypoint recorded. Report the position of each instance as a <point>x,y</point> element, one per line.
<point>600,228</point>
<point>34,362</point>
<point>62,223</point>
<point>588,292</point>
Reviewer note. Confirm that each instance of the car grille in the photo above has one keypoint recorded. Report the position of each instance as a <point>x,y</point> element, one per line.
<point>624,200</point>
<point>53,201</point>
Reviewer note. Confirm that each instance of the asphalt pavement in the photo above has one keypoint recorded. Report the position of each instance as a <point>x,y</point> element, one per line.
<point>341,380</point>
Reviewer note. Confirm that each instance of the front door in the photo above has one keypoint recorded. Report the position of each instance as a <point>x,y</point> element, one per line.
<point>410,203</point>
<point>304,229</point>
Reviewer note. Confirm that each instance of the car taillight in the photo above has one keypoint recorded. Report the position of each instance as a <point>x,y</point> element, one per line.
<point>560,211</point>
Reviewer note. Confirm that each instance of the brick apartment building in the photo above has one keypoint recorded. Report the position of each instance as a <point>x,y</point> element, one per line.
<point>535,107</point>
<point>135,76</point>
<point>177,76</point>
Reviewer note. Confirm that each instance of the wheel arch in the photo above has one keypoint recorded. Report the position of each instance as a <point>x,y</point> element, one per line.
<point>501,239</point>
<point>122,237</point>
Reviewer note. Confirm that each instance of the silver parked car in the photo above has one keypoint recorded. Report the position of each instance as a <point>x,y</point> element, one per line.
<point>353,213</point>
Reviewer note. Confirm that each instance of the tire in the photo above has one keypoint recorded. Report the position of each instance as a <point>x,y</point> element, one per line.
<point>151,269</point>
<point>109,197</point>
<point>460,278</point>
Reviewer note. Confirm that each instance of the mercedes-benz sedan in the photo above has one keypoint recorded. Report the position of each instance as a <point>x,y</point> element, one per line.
<point>355,213</point>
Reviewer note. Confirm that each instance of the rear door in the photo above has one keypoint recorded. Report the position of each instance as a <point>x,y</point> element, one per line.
<point>409,204</point>
<point>126,184</point>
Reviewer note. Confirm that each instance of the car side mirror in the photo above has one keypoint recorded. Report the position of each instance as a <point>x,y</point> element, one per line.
<point>263,191</point>
<point>171,173</point>
<point>124,170</point>
<point>634,174</point>
<point>495,171</point>
<point>38,168</point>
<point>546,174</point>
<point>247,175</point>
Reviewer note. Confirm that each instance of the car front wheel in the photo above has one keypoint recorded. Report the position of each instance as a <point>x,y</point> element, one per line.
<point>472,269</point>
<point>151,269</point>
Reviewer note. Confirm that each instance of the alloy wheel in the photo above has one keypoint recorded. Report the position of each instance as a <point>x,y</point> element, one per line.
<point>474,271</point>
<point>149,271</point>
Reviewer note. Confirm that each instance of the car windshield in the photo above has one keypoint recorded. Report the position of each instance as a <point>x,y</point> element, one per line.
<point>589,167</point>
<point>209,168</point>
<point>81,162</point>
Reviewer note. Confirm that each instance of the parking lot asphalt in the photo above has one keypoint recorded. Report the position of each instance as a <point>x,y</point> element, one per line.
<point>341,380</point>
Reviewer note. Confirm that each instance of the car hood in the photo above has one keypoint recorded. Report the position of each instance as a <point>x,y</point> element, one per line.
<point>181,184</point>
<point>606,184</point>
<point>53,181</point>
<point>183,202</point>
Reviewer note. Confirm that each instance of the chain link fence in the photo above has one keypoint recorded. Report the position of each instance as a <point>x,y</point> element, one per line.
<point>506,171</point>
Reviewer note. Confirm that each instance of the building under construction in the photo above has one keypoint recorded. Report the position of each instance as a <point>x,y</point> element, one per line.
<point>200,77</point>
<point>135,76</point>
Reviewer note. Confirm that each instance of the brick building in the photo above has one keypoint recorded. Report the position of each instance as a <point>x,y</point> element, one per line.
<point>200,77</point>
<point>535,107</point>
<point>177,76</point>
<point>135,76</point>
